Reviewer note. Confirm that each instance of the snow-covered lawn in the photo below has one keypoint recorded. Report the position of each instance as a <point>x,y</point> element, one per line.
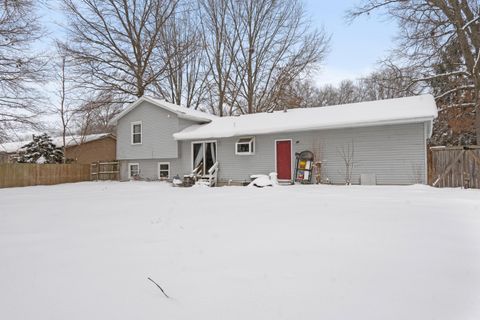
<point>85,250</point>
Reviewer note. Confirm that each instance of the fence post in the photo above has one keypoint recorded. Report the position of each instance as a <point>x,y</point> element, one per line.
<point>429,166</point>
<point>98,170</point>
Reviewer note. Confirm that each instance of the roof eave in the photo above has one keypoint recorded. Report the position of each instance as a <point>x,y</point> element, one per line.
<point>194,118</point>
<point>132,106</point>
<point>186,136</point>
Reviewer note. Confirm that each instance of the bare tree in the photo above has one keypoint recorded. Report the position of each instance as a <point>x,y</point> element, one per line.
<point>387,83</point>
<point>63,108</point>
<point>382,84</point>
<point>347,153</point>
<point>66,104</point>
<point>303,94</point>
<point>219,41</point>
<point>80,112</point>
<point>183,52</point>
<point>255,50</point>
<point>275,46</point>
<point>430,32</point>
<point>20,68</point>
<point>93,115</point>
<point>115,43</point>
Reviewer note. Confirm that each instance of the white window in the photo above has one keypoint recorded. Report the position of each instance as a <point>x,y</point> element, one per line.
<point>133,170</point>
<point>137,132</point>
<point>163,170</point>
<point>245,146</point>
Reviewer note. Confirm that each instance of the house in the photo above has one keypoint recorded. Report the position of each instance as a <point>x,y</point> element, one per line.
<point>385,139</point>
<point>79,149</point>
<point>92,148</point>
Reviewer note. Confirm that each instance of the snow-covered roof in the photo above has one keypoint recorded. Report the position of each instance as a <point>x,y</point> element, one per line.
<point>181,112</point>
<point>11,147</point>
<point>420,108</point>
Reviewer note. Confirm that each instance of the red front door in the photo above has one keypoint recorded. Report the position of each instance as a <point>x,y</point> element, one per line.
<point>284,159</point>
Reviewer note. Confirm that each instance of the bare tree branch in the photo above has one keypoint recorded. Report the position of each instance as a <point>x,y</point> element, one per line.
<point>115,43</point>
<point>20,68</point>
<point>439,40</point>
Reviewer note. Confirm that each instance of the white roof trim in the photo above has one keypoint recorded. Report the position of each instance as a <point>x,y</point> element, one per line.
<point>375,113</point>
<point>181,112</point>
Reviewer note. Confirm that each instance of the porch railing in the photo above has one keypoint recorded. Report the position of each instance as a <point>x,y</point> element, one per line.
<point>212,175</point>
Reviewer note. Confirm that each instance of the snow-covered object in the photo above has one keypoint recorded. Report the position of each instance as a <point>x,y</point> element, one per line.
<point>382,112</point>
<point>41,160</point>
<point>70,141</point>
<point>177,182</point>
<point>201,183</point>
<point>262,180</point>
<point>274,178</point>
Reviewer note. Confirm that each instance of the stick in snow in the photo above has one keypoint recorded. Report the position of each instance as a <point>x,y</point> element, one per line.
<point>158,287</point>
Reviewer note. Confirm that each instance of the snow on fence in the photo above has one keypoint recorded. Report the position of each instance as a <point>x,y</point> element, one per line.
<point>452,167</point>
<point>25,174</point>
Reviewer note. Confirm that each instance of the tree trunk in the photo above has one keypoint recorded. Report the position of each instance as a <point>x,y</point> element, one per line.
<point>477,118</point>
<point>140,88</point>
<point>64,147</point>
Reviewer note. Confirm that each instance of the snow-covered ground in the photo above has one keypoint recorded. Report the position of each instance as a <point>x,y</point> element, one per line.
<point>85,250</point>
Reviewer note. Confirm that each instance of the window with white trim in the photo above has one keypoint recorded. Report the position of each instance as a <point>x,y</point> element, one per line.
<point>137,132</point>
<point>163,170</point>
<point>245,146</point>
<point>133,170</point>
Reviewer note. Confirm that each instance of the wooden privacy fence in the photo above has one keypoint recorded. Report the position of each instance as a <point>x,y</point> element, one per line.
<point>105,170</point>
<point>455,166</point>
<point>27,174</point>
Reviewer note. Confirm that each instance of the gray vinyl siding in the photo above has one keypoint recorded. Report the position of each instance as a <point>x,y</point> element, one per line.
<point>396,154</point>
<point>158,127</point>
<point>149,167</point>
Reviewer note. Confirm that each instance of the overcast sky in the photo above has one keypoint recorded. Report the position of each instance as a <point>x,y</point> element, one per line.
<point>355,47</point>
